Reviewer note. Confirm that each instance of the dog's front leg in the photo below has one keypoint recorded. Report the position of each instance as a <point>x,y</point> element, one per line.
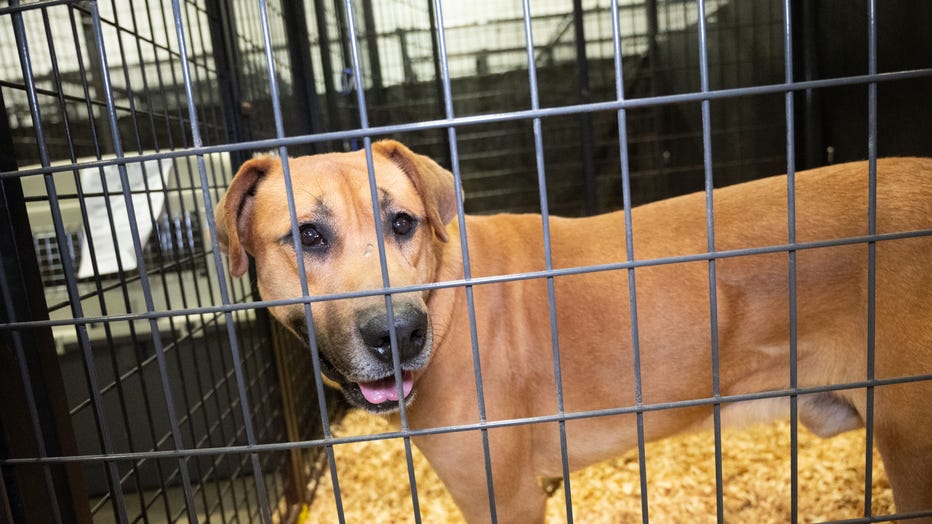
<point>459,460</point>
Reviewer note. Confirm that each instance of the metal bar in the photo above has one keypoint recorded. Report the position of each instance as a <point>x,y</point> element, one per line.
<point>710,234</point>
<point>496,424</point>
<point>441,62</point>
<point>629,249</point>
<point>548,252</point>
<point>18,8</point>
<point>234,343</point>
<point>304,93</point>
<point>220,27</point>
<point>197,141</point>
<point>791,238</point>
<point>214,392</point>
<point>462,121</point>
<point>444,76</point>
<point>289,197</point>
<point>372,49</point>
<point>289,194</point>
<point>717,255</point>
<point>807,18</point>
<point>376,216</point>
<point>585,119</point>
<point>326,64</point>
<point>189,416</point>
<point>871,252</point>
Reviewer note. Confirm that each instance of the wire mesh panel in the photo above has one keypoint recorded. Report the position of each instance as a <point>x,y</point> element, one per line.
<point>106,104</point>
<point>140,382</point>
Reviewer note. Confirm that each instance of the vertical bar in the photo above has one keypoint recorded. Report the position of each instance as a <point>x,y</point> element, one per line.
<point>807,49</point>
<point>376,216</point>
<point>196,135</point>
<point>224,292</point>
<point>629,248</point>
<point>326,64</point>
<point>289,194</point>
<point>443,63</point>
<point>656,112</point>
<point>791,254</point>
<point>871,250</point>
<point>224,56</point>
<point>585,119</point>
<point>372,48</point>
<point>441,76</point>
<point>93,57</point>
<point>304,93</point>
<point>710,233</point>
<point>548,252</point>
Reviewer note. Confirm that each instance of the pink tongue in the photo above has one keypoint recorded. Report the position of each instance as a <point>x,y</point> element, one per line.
<point>384,390</point>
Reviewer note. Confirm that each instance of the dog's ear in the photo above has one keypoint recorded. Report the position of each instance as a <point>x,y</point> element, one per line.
<point>234,211</point>
<point>434,183</point>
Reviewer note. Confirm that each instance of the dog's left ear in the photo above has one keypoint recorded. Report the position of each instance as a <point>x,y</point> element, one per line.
<point>434,183</point>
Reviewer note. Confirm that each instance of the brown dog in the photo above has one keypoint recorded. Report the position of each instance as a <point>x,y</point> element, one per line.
<point>512,318</point>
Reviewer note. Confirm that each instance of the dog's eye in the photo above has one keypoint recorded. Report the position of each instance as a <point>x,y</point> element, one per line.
<point>403,224</point>
<point>311,237</point>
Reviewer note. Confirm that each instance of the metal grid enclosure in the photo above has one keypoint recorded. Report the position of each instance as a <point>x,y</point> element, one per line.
<point>139,382</point>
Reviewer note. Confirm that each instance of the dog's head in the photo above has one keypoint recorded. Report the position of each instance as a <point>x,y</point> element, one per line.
<point>337,242</point>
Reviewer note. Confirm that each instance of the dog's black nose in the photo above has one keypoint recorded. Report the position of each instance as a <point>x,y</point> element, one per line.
<point>410,328</point>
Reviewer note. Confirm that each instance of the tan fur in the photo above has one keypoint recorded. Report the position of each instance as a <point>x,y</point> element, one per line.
<point>592,313</point>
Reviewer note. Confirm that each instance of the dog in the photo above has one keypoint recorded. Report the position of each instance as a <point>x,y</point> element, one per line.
<point>417,202</point>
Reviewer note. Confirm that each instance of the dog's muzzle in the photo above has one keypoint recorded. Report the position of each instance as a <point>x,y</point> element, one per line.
<point>368,379</point>
<point>411,329</point>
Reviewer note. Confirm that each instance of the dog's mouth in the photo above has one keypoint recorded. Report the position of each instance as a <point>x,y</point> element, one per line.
<point>377,396</point>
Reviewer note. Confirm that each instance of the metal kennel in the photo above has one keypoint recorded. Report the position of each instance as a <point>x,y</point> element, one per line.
<point>139,383</point>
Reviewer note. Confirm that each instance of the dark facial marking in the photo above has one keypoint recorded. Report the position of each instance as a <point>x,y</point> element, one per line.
<point>316,236</point>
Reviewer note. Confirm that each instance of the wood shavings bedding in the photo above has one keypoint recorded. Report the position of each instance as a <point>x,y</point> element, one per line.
<point>374,485</point>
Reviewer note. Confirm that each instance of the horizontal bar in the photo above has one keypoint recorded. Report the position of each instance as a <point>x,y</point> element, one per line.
<point>460,121</point>
<point>544,419</point>
<point>36,5</point>
<point>781,248</point>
